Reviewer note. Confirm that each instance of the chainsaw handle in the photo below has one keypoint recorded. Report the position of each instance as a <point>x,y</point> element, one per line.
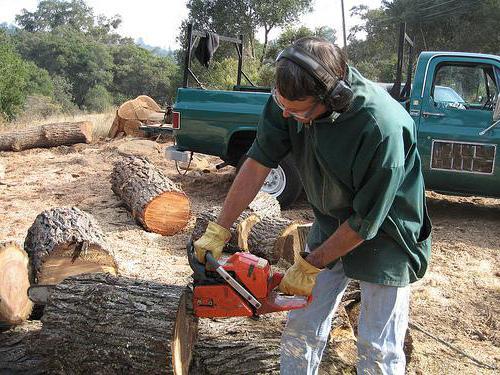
<point>211,261</point>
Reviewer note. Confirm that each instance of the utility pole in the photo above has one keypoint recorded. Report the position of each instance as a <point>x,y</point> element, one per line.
<point>343,26</point>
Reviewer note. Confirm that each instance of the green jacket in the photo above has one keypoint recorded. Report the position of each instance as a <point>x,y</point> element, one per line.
<point>362,166</point>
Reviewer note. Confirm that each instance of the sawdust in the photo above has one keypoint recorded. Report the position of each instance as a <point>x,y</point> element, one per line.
<point>458,300</point>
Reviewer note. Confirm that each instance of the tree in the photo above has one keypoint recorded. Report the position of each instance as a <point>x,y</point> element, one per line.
<point>433,24</point>
<point>75,14</point>
<point>291,34</point>
<point>70,54</point>
<point>235,17</point>
<point>13,79</point>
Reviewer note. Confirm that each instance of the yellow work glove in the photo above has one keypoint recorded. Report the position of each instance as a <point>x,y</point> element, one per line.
<point>213,240</point>
<point>299,279</point>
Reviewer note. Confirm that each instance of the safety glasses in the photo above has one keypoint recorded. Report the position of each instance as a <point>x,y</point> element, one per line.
<point>297,115</point>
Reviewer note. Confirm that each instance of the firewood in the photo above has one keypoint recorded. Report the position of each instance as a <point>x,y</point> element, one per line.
<point>49,135</point>
<point>157,203</point>
<point>64,242</point>
<point>15,307</point>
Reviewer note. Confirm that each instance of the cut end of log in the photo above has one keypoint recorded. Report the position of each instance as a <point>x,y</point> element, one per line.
<point>185,333</point>
<point>87,129</point>
<point>15,307</point>
<point>167,214</point>
<point>63,263</point>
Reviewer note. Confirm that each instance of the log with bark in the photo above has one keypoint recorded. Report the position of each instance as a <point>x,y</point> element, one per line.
<point>270,237</point>
<point>103,324</point>
<point>49,135</point>
<point>66,241</point>
<point>16,350</point>
<point>15,307</point>
<point>157,203</point>
<point>263,205</point>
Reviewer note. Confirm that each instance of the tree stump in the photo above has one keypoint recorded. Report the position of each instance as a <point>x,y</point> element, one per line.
<point>103,324</point>
<point>49,135</point>
<point>64,242</point>
<point>15,306</point>
<point>154,201</point>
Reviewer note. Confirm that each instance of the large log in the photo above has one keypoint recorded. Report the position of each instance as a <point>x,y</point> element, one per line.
<point>66,241</point>
<point>49,135</point>
<point>16,350</point>
<point>268,237</point>
<point>15,307</point>
<point>103,324</point>
<point>263,205</point>
<point>157,203</point>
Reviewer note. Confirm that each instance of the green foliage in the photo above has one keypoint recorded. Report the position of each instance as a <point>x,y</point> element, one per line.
<point>13,78</point>
<point>138,71</point>
<point>234,17</point>
<point>70,54</point>
<point>97,99</point>
<point>453,25</point>
<point>291,34</point>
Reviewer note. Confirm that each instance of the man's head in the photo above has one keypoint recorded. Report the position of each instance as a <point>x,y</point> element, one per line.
<point>310,79</point>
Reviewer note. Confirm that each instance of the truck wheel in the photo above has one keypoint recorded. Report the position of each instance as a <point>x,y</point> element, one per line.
<point>283,182</point>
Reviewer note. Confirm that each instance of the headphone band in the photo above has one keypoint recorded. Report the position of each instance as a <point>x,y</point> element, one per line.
<point>338,93</point>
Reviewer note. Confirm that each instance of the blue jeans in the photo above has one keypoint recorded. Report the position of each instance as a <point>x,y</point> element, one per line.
<point>383,321</point>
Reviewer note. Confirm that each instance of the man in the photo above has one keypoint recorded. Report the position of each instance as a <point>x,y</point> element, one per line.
<point>355,149</point>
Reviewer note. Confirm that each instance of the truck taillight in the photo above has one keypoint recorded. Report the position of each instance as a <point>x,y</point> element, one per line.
<point>176,120</point>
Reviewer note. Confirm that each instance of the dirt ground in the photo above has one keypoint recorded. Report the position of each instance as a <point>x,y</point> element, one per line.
<point>457,301</point>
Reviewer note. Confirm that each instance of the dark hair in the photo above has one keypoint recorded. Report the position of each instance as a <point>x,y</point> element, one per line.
<point>295,83</point>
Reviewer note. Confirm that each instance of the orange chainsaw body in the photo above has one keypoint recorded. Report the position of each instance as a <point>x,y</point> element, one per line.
<point>216,298</point>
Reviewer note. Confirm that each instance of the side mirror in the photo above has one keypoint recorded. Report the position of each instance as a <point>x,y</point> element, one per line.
<point>496,111</point>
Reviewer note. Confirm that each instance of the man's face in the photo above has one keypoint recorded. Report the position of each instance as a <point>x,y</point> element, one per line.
<point>304,110</point>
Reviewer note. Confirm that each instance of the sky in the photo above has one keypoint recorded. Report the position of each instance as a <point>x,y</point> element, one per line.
<point>157,22</point>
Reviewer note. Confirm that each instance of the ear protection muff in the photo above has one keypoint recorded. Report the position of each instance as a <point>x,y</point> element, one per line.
<point>338,94</point>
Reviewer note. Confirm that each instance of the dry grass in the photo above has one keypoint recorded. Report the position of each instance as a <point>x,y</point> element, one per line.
<point>102,122</point>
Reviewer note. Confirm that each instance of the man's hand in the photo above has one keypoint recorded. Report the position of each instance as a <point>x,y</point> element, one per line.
<point>213,240</point>
<point>299,279</point>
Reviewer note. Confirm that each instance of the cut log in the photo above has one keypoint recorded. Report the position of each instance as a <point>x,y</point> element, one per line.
<point>64,242</point>
<point>15,307</point>
<point>268,237</point>
<point>157,203</point>
<point>263,205</point>
<point>103,324</point>
<point>49,135</point>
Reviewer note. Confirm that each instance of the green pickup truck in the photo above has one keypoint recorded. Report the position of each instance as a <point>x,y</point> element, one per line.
<point>454,101</point>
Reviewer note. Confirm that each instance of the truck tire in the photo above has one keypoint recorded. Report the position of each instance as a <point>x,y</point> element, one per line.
<point>283,182</point>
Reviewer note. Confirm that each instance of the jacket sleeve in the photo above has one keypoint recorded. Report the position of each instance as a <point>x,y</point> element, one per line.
<point>378,173</point>
<point>272,142</point>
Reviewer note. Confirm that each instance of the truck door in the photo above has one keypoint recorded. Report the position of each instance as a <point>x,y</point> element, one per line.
<point>459,95</point>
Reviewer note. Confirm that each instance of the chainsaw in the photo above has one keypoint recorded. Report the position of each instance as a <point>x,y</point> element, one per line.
<point>240,284</point>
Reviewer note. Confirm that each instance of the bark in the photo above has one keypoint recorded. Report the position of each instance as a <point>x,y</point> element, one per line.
<point>157,203</point>
<point>263,205</point>
<point>267,238</point>
<point>66,241</point>
<point>50,135</point>
<point>15,306</point>
<point>103,324</point>
<point>16,346</point>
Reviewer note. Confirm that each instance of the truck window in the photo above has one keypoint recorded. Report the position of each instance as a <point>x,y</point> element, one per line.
<point>465,87</point>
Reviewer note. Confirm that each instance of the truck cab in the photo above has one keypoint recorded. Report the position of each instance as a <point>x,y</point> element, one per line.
<point>453,102</point>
